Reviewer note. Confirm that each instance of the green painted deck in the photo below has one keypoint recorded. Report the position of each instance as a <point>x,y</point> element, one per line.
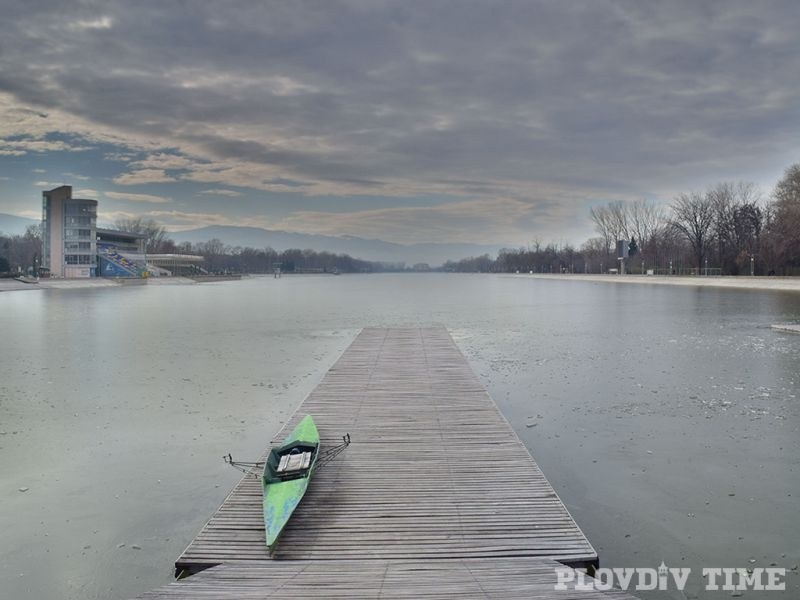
<point>434,475</point>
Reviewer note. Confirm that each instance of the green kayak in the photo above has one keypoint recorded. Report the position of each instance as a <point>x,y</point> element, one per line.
<point>286,475</point>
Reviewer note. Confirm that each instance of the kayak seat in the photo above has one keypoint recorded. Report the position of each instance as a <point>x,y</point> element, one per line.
<point>291,463</point>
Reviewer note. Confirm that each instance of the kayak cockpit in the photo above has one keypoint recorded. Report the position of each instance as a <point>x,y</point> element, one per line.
<point>291,461</point>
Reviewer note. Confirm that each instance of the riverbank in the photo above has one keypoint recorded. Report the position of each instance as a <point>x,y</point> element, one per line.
<point>786,284</point>
<point>13,285</point>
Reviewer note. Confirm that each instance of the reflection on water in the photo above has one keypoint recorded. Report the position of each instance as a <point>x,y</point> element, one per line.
<point>667,419</point>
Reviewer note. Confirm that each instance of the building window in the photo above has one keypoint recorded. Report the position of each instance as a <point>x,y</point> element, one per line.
<point>78,233</point>
<point>74,246</point>
<point>80,208</point>
<point>79,259</point>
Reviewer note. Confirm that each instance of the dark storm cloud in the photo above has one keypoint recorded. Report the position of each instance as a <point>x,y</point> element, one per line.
<point>527,100</point>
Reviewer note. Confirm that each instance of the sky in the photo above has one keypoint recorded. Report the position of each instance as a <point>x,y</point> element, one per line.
<point>413,121</point>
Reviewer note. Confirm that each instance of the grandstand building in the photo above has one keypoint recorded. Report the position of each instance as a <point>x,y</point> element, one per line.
<point>120,253</point>
<point>73,245</point>
<point>68,234</point>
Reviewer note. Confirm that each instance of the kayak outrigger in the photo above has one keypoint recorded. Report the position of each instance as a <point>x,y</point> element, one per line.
<point>287,472</point>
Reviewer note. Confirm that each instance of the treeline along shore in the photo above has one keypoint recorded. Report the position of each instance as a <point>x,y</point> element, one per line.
<point>220,258</point>
<point>19,252</point>
<point>731,229</point>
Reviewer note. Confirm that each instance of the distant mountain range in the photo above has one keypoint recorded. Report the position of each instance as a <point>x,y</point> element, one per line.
<point>374,250</point>
<point>255,237</point>
<point>14,225</point>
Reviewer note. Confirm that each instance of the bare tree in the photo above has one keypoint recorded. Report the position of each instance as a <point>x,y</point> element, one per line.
<point>784,221</point>
<point>213,251</point>
<point>748,223</point>
<point>737,222</point>
<point>595,251</point>
<point>787,190</point>
<point>620,223</point>
<point>694,218</point>
<point>603,225</point>
<point>613,222</point>
<point>33,232</point>
<point>646,219</point>
<point>156,234</point>
<point>723,200</point>
<point>22,252</point>
<point>669,247</point>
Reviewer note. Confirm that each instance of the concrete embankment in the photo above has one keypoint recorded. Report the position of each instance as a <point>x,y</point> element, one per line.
<point>170,281</point>
<point>215,278</point>
<point>9,285</point>
<point>791,284</point>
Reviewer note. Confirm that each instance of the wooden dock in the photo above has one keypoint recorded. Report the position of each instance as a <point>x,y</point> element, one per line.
<point>435,490</point>
<point>445,579</point>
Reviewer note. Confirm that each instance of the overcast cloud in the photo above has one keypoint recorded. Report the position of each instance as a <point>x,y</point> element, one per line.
<point>493,122</point>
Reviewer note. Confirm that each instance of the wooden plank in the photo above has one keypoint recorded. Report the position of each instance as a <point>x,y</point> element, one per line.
<point>507,578</point>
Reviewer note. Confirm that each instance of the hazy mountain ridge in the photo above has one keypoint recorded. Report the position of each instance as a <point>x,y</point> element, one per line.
<point>365,249</point>
<point>255,237</point>
<point>14,225</point>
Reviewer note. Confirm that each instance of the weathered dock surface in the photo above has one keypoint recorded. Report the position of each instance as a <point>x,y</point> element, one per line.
<point>500,578</point>
<point>433,471</point>
<point>435,497</point>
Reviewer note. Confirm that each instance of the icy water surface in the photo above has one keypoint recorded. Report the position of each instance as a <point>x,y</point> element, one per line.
<point>667,419</point>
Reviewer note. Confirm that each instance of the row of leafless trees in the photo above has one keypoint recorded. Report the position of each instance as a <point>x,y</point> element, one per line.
<point>722,228</point>
<point>730,229</point>
<point>157,241</point>
<point>237,259</point>
<point>19,253</point>
<point>220,257</point>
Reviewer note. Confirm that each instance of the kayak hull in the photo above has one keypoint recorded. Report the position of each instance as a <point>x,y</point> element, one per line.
<point>284,491</point>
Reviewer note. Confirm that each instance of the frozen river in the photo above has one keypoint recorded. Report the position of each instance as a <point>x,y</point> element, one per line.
<point>665,417</point>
